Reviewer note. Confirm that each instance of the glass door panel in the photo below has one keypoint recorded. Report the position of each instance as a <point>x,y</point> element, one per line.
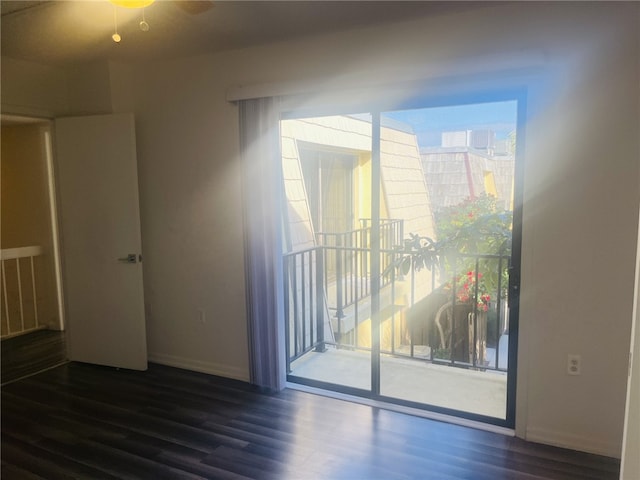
<point>326,163</point>
<point>448,175</point>
<point>409,302</point>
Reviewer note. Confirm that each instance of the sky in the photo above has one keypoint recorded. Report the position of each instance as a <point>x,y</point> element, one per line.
<point>429,123</point>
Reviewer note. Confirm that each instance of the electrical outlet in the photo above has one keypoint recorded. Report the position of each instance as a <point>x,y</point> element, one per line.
<point>574,364</point>
<point>201,316</point>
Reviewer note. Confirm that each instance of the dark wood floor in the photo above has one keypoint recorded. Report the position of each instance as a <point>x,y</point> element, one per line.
<point>82,421</point>
<point>31,353</point>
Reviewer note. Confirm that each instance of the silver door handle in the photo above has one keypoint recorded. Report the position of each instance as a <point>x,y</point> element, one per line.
<point>131,258</point>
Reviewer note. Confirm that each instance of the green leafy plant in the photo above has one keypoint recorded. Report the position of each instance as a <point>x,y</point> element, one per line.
<point>417,252</point>
<point>475,226</point>
<point>473,234</point>
<point>465,233</point>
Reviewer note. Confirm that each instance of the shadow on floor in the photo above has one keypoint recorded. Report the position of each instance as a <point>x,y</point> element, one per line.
<point>32,353</point>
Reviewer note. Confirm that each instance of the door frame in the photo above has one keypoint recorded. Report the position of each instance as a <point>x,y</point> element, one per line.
<point>45,125</point>
<point>457,95</point>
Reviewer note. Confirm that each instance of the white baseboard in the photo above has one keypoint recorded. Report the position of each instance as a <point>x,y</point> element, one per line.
<point>199,366</point>
<point>574,442</point>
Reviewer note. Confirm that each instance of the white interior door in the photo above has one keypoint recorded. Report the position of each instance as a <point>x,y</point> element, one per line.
<point>101,245</point>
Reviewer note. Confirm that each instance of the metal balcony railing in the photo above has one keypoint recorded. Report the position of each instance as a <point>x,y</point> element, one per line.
<point>326,301</point>
<point>347,264</point>
<point>19,292</point>
<point>304,301</point>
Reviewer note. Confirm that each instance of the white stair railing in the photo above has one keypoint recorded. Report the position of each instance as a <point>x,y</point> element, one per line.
<point>16,255</point>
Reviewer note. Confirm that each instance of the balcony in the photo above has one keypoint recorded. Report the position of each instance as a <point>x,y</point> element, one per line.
<point>19,306</point>
<point>435,349</point>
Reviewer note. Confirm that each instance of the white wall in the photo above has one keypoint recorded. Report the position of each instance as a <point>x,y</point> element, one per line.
<point>581,192</point>
<point>32,89</point>
<point>191,218</point>
<point>578,249</point>
<point>630,464</point>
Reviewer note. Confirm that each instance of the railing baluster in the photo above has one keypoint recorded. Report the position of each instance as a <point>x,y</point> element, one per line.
<point>356,254</point>
<point>319,296</point>
<point>453,312</point>
<point>20,293</point>
<point>346,292</point>
<point>366,269</point>
<point>6,299</point>
<point>304,301</point>
<point>413,293</point>
<point>326,270</point>
<point>360,263</point>
<point>33,286</point>
<point>310,279</point>
<point>433,287</point>
<point>287,311</point>
<point>499,312</point>
<point>295,306</point>
<point>28,322</point>
<point>339,311</point>
<point>353,272</point>
<point>393,307</point>
<point>474,352</point>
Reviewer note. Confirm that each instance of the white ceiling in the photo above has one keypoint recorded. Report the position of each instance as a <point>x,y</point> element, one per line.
<point>65,32</point>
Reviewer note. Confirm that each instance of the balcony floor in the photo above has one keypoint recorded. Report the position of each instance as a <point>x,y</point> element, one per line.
<point>470,391</point>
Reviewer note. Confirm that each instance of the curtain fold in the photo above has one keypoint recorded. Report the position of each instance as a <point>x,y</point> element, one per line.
<point>261,183</point>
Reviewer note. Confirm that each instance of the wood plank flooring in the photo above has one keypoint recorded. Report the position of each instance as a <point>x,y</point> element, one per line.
<point>83,421</point>
<point>31,353</point>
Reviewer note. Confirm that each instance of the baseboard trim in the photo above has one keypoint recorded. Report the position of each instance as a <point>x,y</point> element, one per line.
<point>573,442</point>
<point>199,366</point>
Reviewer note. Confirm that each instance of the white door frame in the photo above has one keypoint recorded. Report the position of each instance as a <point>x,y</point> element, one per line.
<point>46,125</point>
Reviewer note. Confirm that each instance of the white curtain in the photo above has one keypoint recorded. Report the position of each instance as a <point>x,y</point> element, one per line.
<point>261,181</point>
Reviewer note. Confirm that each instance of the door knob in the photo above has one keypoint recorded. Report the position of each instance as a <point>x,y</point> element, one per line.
<point>131,258</point>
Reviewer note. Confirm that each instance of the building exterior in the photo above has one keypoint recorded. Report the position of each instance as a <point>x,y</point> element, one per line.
<point>468,164</point>
<point>326,164</point>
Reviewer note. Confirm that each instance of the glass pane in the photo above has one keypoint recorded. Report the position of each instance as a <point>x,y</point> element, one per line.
<point>447,178</point>
<point>326,164</point>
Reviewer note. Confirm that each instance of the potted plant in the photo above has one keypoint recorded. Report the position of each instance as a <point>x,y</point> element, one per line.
<point>472,236</point>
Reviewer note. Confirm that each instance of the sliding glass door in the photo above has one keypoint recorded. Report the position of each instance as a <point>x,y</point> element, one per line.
<point>326,164</point>
<point>402,254</point>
